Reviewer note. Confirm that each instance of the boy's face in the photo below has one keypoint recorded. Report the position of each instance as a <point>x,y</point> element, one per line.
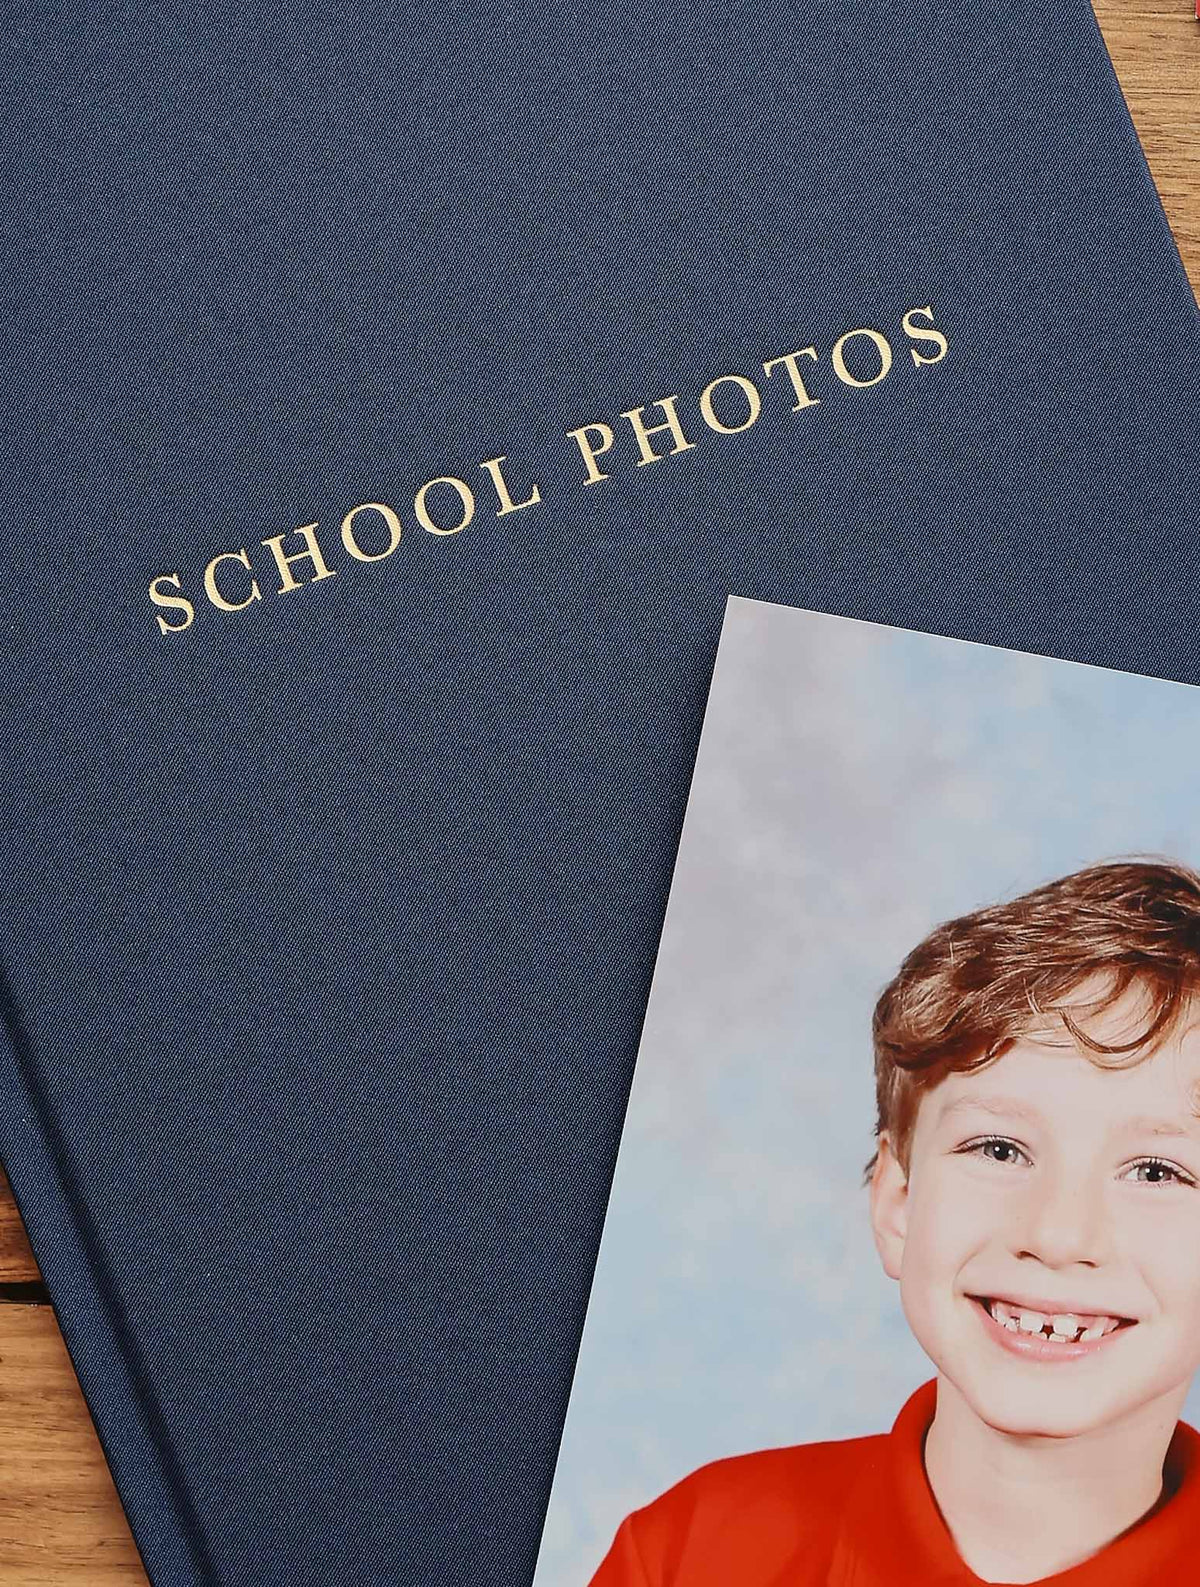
<point>1044,1187</point>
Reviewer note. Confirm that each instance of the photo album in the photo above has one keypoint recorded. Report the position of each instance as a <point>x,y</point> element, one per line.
<point>457,1154</point>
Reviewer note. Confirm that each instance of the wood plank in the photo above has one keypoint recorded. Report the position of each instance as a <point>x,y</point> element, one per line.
<point>18,1270</point>
<point>61,1523</point>
<point>1155,48</point>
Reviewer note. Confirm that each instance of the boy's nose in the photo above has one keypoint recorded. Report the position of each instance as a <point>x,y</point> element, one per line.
<point>1062,1223</point>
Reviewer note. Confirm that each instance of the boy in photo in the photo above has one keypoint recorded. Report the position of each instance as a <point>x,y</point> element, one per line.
<point>1036,1193</point>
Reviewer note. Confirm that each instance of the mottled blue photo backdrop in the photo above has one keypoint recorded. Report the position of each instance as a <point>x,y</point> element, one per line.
<point>855,785</point>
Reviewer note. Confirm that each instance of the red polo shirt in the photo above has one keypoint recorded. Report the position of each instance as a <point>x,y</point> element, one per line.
<point>859,1513</point>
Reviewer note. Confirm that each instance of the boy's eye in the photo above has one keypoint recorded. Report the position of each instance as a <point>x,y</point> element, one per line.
<point>996,1147</point>
<point>1153,1171</point>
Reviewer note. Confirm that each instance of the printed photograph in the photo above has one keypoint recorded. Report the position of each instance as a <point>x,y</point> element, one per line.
<point>900,1277</point>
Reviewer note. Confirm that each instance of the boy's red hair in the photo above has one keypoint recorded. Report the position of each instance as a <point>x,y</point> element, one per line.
<point>975,984</point>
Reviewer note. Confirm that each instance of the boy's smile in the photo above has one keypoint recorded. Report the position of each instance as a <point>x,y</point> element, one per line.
<point>1047,1237</point>
<point>1048,1331</point>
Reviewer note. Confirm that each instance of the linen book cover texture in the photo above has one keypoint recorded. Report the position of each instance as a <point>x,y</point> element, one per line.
<point>396,397</point>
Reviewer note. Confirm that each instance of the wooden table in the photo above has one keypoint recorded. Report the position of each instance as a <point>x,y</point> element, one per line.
<point>61,1524</point>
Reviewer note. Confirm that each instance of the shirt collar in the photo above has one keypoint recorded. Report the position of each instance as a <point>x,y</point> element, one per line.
<point>892,1532</point>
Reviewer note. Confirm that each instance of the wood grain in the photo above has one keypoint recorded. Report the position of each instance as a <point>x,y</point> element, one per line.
<point>61,1524</point>
<point>60,1520</point>
<point>18,1270</point>
<point>1155,48</point>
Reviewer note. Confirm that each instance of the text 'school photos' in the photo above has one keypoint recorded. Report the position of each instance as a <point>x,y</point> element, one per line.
<point>936,911</point>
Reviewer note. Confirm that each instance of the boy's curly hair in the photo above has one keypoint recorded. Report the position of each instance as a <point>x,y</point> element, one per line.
<point>975,984</point>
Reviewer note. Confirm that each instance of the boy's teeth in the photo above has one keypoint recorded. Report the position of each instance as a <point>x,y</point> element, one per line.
<point>1061,1327</point>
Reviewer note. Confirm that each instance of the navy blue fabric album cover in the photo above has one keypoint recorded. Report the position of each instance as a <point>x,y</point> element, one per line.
<point>396,397</point>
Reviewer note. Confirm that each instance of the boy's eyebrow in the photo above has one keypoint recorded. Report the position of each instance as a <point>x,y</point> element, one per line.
<point>1148,1126</point>
<point>1010,1107</point>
